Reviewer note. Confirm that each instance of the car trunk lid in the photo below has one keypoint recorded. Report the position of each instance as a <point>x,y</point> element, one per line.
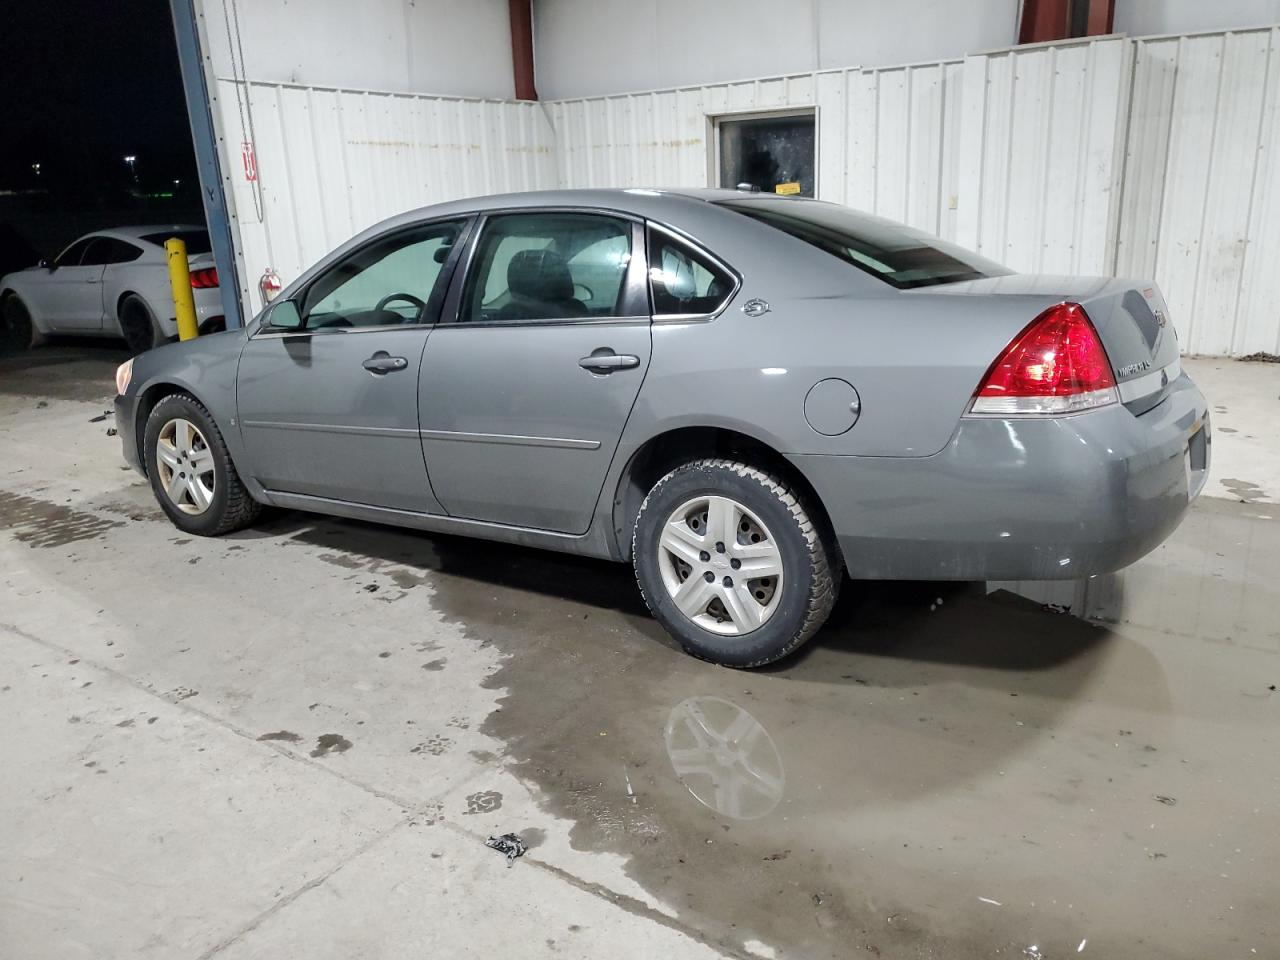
<point>1131,318</point>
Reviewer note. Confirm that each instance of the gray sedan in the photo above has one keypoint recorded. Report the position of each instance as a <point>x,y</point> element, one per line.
<point>747,397</point>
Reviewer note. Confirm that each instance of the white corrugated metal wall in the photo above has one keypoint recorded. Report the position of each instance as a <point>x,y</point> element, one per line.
<point>1201,205</point>
<point>1151,158</point>
<point>1014,154</point>
<point>330,163</point>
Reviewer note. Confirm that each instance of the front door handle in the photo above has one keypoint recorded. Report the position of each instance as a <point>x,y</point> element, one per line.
<point>606,362</point>
<point>381,362</point>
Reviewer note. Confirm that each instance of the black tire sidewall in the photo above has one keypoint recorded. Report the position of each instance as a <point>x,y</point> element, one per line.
<point>17,329</point>
<point>777,635</point>
<point>208,523</point>
<point>135,315</point>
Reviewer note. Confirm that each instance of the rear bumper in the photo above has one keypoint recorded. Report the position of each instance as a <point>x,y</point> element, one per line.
<point>125,431</point>
<point>209,318</point>
<point>1022,499</point>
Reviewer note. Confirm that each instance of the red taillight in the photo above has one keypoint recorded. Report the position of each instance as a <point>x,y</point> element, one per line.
<point>1056,365</point>
<point>204,278</point>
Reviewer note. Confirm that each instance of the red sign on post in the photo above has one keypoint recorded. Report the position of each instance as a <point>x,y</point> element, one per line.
<point>249,160</point>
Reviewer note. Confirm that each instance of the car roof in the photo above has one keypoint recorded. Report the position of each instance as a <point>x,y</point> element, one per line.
<point>627,199</point>
<point>682,207</point>
<point>138,232</point>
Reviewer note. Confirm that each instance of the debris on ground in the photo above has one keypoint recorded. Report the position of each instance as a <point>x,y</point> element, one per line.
<point>509,845</point>
<point>1167,801</point>
<point>1055,608</point>
<point>111,431</point>
<point>102,416</point>
<point>1260,357</point>
<point>1033,952</point>
<point>994,903</point>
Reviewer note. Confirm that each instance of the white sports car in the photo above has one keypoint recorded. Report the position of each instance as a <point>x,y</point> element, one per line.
<point>112,282</point>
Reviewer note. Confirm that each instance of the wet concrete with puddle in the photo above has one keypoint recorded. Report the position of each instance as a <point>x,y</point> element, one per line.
<point>942,773</point>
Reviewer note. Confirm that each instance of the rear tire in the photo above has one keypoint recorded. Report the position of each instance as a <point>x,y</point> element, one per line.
<point>195,483</point>
<point>17,329</point>
<point>138,325</point>
<point>718,522</point>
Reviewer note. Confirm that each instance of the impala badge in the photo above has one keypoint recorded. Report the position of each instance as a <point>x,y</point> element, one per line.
<point>1133,368</point>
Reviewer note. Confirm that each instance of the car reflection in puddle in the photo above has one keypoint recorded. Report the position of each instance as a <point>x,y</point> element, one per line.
<point>724,757</point>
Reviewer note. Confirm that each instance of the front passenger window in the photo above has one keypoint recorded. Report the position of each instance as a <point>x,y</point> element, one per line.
<point>389,281</point>
<point>548,266</point>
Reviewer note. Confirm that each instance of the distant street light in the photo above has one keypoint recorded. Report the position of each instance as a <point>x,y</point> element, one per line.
<point>36,168</point>
<point>131,160</point>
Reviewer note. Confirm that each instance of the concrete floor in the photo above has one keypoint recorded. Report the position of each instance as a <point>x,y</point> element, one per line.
<point>291,742</point>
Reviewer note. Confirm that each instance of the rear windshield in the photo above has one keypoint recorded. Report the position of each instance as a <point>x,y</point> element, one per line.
<point>197,241</point>
<point>897,254</point>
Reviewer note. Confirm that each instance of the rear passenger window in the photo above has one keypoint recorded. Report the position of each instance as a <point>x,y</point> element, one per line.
<point>548,266</point>
<point>684,281</point>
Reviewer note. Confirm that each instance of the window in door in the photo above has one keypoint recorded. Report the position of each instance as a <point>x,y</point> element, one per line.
<point>683,281</point>
<point>70,257</point>
<point>385,283</point>
<point>106,250</point>
<point>772,154</point>
<point>548,266</point>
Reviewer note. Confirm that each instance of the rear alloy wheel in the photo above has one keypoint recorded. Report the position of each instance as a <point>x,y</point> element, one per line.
<point>141,332</point>
<point>17,330</point>
<point>191,472</point>
<point>730,562</point>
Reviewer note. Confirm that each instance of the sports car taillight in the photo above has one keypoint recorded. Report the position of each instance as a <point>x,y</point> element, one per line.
<point>204,278</point>
<point>1056,365</point>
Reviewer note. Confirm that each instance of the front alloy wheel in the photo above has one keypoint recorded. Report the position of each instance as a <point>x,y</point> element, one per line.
<point>190,469</point>
<point>185,466</point>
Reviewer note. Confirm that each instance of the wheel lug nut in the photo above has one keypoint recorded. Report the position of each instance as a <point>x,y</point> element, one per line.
<point>709,576</point>
<point>719,548</point>
<point>704,556</point>
<point>728,581</point>
<point>735,563</point>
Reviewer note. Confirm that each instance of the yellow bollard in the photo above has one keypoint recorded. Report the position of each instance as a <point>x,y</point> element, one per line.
<point>184,303</point>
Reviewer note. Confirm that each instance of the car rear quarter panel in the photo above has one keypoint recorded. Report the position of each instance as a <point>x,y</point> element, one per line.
<point>145,278</point>
<point>914,363</point>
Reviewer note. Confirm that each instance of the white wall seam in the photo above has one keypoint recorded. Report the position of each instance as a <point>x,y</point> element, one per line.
<point>1252,210</point>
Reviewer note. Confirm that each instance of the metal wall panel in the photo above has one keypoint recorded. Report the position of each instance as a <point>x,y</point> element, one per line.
<point>1201,205</point>
<point>1015,154</point>
<point>332,162</point>
<point>1039,161</point>
<point>1153,158</point>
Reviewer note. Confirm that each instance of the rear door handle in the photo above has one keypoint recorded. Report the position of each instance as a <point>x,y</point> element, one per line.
<point>381,362</point>
<point>608,362</point>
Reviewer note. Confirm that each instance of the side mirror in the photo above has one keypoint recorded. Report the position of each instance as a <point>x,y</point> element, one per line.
<point>283,316</point>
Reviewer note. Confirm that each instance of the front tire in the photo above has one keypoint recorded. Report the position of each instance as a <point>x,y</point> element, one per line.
<point>17,329</point>
<point>140,329</point>
<point>732,564</point>
<point>191,472</point>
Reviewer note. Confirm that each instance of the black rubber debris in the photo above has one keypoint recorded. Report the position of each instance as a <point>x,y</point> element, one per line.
<point>509,845</point>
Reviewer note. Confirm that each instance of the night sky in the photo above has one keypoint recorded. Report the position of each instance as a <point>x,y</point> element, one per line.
<point>84,83</point>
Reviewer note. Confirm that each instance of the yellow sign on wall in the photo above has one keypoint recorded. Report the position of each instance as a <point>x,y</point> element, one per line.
<point>787,189</point>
